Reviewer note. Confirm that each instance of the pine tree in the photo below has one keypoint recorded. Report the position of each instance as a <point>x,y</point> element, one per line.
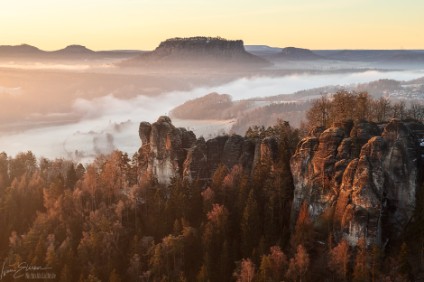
<point>247,271</point>
<point>250,225</point>
<point>303,232</point>
<point>71,177</point>
<point>299,265</point>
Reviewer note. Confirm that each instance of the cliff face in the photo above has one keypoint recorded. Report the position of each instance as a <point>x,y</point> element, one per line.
<point>163,150</point>
<point>365,175</point>
<point>200,45</point>
<point>168,151</point>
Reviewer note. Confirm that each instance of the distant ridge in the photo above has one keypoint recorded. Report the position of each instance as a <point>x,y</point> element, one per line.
<point>298,54</point>
<point>25,51</point>
<point>215,51</point>
<point>75,50</point>
<point>372,55</point>
<point>203,51</point>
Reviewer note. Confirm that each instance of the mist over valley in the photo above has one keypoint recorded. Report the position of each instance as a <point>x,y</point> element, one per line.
<point>76,103</point>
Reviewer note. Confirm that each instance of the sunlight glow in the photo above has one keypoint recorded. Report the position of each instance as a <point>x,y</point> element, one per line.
<point>142,24</point>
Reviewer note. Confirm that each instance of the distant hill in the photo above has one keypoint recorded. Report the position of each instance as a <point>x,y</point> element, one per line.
<point>26,52</point>
<point>289,107</point>
<point>298,54</point>
<point>210,106</point>
<point>24,49</point>
<point>262,50</point>
<point>198,51</point>
<point>74,50</point>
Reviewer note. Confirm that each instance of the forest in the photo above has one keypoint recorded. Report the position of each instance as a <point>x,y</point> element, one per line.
<point>100,222</point>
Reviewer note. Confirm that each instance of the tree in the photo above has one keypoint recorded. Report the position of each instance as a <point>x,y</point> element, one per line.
<point>265,273</point>
<point>213,239</point>
<point>247,271</point>
<point>416,111</point>
<point>202,276</point>
<point>361,267</point>
<point>71,177</point>
<point>319,113</point>
<point>303,231</point>
<point>90,183</point>
<point>23,163</point>
<point>4,171</point>
<point>80,171</point>
<point>298,265</point>
<point>250,225</point>
<point>339,260</point>
<point>362,107</point>
<point>399,110</point>
<point>380,109</point>
<point>273,266</point>
<point>343,106</point>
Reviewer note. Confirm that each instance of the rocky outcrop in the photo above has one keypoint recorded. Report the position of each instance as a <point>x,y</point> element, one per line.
<point>163,151</point>
<point>168,151</point>
<point>364,175</point>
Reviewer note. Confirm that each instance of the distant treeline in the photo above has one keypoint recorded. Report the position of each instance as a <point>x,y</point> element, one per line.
<point>345,105</point>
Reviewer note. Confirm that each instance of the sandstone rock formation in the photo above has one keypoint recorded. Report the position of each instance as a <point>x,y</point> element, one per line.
<point>163,150</point>
<point>202,51</point>
<point>364,175</point>
<point>168,151</point>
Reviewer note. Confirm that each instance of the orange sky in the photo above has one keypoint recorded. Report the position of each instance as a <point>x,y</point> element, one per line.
<point>142,24</point>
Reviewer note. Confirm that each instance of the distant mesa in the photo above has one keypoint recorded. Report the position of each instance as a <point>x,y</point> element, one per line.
<point>207,51</point>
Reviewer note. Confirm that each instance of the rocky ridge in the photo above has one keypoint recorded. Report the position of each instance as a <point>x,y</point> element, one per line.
<point>168,151</point>
<point>360,177</point>
<point>363,174</point>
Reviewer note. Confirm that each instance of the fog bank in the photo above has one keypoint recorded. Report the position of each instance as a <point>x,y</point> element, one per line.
<point>109,122</point>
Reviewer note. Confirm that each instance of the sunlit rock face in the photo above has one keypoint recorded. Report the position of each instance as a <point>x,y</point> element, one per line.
<point>365,176</point>
<point>168,152</point>
<point>163,151</point>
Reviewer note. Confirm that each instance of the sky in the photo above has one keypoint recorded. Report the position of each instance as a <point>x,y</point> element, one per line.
<point>143,24</point>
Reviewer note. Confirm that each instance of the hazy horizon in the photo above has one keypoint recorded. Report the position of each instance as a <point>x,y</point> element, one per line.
<point>257,44</point>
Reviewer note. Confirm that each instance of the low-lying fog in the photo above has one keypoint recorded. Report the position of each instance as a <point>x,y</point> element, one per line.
<point>109,122</point>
